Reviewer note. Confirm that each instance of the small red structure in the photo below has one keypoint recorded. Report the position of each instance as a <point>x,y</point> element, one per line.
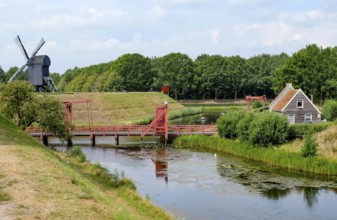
<point>249,99</point>
<point>160,123</point>
<point>165,89</point>
<point>69,116</point>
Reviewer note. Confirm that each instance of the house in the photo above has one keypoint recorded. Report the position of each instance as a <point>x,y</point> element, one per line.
<point>295,105</point>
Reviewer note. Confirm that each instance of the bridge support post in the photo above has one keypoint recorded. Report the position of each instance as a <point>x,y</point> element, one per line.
<point>45,140</point>
<point>117,140</point>
<point>93,139</point>
<point>69,142</point>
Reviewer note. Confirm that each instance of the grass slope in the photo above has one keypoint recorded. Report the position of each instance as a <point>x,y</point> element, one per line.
<point>38,184</point>
<point>117,108</point>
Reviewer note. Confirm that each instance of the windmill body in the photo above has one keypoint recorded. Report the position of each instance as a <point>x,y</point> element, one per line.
<point>38,69</point>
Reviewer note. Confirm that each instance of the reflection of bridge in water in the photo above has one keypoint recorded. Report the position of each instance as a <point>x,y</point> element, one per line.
<point>158,127</point>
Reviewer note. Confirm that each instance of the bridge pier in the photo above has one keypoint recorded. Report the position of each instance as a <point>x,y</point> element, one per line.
<point>117,140</point>
<point>93,140</point>
<point>69,142</point>
<point>45,140</point>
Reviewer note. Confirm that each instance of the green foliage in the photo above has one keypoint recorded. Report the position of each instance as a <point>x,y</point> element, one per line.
<point>270,156</point>
<point>310,146</point>
<point>313,69</point>
<point>15,100</point>
<point>257,104</point>
<point>299,130</point>
<point>3,78</point>
<point>330,110</point>
<point>227,124</point>
<point>76,151</point>
<point>243,126</point>
<point>115,179</point>
<point>268,129</point>
<point>50,116</point>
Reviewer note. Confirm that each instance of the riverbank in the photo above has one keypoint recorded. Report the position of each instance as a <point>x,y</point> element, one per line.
<point>36,183</point>
<point>270,156</point>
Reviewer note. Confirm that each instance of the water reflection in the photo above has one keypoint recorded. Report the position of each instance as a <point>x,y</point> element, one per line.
<point>197,185</point>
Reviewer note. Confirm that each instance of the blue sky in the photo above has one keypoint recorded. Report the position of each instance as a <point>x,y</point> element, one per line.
<point>82,33</point>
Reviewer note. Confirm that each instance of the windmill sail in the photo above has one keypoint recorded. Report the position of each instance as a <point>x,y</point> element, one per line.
<point>21,47</point>
<point>17,73</point>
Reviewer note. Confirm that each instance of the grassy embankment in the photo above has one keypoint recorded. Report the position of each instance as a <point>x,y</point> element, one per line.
<point>37,183</point>
<point>291,161</point>
<point>119,108</point>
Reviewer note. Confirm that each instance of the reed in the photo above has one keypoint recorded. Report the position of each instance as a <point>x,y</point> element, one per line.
<point>271,156</point>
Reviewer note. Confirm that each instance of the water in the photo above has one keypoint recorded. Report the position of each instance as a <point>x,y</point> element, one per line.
<point>201,185</point>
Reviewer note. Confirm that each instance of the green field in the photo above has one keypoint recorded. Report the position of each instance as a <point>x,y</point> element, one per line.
<point>117,108</point>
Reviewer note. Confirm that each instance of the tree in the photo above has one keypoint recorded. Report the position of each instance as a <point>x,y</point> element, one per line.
<point>2,76</point>
<point>237,74</point>
<point>227,124</point>
<point>211,72</point>
<point>56,77</point>
<point>176,70</point>
<point>136,72</point>
<point>330,110</point>
<point>312,69</point>
<point>50,116</point>
<point>15,100</point>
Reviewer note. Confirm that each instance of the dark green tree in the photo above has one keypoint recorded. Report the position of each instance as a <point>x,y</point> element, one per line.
<point>136,72</point>
<point>176,70</point>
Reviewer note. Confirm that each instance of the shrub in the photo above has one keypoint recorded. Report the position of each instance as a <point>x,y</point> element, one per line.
<point>77,152</point>
<point>227,124</point>
<point>309,148</point>
<point>257,104</point>
<point>299,130</point>
<point>243,126</point>
<point>330,109</point>
<point>268,129</point>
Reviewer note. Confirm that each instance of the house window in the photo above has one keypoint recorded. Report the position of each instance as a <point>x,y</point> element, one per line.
<point>291,118</point>
<point>299,103</point>
<point>308,117</point>
<point>318,117</point>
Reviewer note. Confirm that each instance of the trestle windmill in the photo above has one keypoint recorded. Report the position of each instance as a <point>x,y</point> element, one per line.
<point>38,68</point>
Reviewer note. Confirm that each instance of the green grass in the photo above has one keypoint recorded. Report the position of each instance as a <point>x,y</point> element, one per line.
<point>172,115</point>
<point>270,156</point>
<point>51,177</point>
<point>108,108</point>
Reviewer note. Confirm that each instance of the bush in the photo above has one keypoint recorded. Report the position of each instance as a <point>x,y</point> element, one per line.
<point>299,130</point>
<point>330,110</point>
<point>77,152</point>
<point>243,126</point>
<point>227,124</point>
<point>309,148</point>
<point>268,129</point>
<point>257,104</point>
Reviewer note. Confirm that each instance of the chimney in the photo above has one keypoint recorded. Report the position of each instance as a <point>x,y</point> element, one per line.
<point>289,85</point>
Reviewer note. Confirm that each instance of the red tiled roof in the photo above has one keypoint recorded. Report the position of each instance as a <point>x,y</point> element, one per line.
<point>285,100</point>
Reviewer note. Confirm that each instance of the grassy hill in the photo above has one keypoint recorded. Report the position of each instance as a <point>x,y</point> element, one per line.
<point>36,183</point>
<point>117,108</point>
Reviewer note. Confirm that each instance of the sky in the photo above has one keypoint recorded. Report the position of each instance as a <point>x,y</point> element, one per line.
<point>82,33</point>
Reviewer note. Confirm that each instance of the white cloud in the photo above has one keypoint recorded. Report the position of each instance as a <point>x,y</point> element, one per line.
<point>155,13</point>
<point>214,35</point>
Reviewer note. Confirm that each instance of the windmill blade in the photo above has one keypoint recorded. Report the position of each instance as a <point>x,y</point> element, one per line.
<point>17,73</point>
<point>22,48</point>
<point>38,47</point>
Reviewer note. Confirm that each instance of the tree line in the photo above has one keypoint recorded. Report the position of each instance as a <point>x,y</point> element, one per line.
<point>313,69</point>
